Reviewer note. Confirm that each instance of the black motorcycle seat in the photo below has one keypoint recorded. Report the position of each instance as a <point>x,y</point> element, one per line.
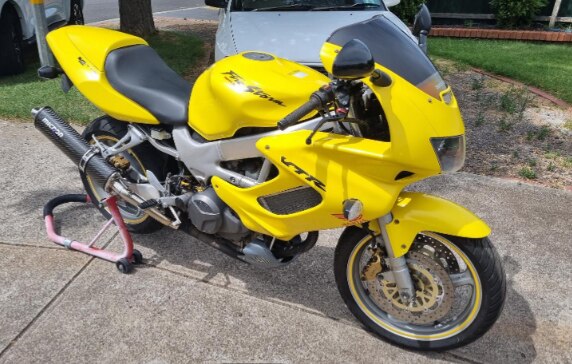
<point>138,73</point>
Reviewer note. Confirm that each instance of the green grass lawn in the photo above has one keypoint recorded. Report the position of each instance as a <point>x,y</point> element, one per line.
<point>19,94</point>
<point>546,66</point>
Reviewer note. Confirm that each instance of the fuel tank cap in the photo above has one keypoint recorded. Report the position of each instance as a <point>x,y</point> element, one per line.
<point>257,56</point>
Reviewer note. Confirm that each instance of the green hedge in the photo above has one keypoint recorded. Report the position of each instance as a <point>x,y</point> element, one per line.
<point>516,13</point>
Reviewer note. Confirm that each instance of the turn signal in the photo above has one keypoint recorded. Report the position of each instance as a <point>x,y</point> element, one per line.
<point>353,209</point>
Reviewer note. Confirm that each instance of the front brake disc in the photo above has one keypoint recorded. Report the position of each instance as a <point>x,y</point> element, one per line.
<point>434,292</point>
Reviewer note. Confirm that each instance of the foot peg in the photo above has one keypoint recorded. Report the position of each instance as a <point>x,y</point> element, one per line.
<point>148,204</point>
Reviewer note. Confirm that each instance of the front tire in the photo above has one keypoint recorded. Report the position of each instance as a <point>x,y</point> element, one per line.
<point>142,157</point>
<point>464,282</point>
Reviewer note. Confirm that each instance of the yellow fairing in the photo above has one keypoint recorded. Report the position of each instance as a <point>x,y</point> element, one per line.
<point>250,89</point>
<point>81,52</point>
<point>413,116</point>
<point>417,212</point>
<point>357,168</point>
<point>346,166</point>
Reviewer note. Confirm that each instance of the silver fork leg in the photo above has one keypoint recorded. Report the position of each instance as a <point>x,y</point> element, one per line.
<point>398,266</point>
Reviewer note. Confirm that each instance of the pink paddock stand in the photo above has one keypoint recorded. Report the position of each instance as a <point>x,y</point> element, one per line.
<point>124,261</point>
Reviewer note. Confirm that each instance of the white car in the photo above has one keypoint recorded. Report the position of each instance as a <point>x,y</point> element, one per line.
<point>291,29</point>
<point>17,27</point>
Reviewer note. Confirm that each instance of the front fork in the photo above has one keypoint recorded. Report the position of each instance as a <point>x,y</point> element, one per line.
<point>398,266</point>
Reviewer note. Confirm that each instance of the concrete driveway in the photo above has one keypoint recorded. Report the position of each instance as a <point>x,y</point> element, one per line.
<point>191,303</point>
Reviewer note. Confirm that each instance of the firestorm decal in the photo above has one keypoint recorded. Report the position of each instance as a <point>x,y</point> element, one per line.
<point>358,220</point>
<point>235,79</point>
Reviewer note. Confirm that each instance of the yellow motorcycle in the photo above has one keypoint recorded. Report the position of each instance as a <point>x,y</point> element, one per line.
<point>264,153</point>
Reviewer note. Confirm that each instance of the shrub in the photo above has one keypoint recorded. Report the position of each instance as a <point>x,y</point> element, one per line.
<point>407,9</point>
<point>527,173</point>
<point>515,13</point>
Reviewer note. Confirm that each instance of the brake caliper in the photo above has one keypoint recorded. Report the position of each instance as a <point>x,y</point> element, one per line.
<point>374,266</point>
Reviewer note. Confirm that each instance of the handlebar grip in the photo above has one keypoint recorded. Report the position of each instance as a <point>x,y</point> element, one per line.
<point>319,99</point>
<point>313,104</point>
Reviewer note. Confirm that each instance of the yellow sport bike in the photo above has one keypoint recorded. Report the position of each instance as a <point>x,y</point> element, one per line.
<point>261,153</point>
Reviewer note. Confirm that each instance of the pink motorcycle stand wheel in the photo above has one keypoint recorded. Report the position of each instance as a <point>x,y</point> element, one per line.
<point>124,261</point>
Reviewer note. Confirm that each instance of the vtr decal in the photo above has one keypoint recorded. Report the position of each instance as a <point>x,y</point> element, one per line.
<point>309,177</point>
<point>235,79</point>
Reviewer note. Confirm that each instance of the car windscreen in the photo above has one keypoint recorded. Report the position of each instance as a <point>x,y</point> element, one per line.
<point>307,5</point>
<point>395,50</point>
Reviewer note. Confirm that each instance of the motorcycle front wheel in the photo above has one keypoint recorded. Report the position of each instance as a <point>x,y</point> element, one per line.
<point>459,287</point>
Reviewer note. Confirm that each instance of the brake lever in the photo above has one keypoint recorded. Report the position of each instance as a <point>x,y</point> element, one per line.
<point>341,113</point>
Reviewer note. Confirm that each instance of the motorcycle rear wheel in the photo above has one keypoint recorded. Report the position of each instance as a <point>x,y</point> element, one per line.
<point>467,284</point>
<point>142,157</point>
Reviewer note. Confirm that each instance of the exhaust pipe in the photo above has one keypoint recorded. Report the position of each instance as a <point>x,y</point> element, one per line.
<point>68,140</point>
<point>125,194</point>
<point>88,159</point>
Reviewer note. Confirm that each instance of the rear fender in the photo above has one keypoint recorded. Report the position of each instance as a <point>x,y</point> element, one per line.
<point>415,212</point>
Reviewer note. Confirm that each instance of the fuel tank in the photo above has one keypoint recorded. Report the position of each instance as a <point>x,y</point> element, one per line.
<point>250,89</point>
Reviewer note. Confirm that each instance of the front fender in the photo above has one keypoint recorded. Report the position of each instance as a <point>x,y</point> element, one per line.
<point>416,212</point>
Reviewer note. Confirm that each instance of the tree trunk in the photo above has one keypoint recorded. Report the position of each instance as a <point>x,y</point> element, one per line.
<point>136,17</point>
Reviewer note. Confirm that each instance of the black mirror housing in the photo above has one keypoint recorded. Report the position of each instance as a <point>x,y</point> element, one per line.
<point>354,61</point>
<point>422,21</point>
<point>216,3</point>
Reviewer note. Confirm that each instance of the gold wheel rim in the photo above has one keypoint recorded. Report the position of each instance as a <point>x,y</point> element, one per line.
<point>393,328</point>
<point>99,197</point>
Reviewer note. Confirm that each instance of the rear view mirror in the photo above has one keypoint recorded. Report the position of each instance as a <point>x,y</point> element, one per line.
<point>422,21</point>
<point>354,61</point>
<point>422,26</point>
<point>216,3</point>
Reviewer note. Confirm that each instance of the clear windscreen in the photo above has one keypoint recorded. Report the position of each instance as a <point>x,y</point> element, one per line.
<point>395,50</point>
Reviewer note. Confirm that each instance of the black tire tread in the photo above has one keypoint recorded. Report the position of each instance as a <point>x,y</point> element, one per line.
<point>494,277</point>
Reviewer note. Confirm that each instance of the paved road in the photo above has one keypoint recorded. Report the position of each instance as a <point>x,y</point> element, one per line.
<point>190,303</point>
<point>98,10</point>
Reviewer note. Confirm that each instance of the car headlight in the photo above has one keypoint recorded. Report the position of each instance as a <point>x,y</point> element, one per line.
<point>450,152</point>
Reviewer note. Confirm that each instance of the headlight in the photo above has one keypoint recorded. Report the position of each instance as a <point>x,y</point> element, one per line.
<point>450,152</point>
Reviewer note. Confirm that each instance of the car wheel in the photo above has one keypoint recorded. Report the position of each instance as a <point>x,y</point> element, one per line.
<point>12,60</point>
<point>76,13</point>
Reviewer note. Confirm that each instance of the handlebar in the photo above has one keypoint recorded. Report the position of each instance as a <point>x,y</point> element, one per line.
<point>318,100</point>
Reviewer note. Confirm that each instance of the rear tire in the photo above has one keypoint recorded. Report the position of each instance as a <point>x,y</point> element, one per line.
<point>142,157</point>
<point>11,48</point>
<point>481,313</point>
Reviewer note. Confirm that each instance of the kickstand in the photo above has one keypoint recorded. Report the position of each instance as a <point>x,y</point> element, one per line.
<point>124,261</point>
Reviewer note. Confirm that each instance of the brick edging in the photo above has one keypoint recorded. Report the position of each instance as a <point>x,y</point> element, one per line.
<point>539,36</point>
<point>532,89</point>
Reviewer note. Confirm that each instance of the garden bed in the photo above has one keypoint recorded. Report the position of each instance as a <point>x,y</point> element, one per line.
<point>511,132</point>
<point>531,35</point>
